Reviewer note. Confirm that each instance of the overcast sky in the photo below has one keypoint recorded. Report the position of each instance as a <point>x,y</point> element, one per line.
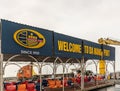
<point>85,19</point>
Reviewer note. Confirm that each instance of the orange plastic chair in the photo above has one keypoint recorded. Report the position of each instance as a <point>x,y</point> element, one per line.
<point>58,83</point>
<point>98,78</point>
<point>51,83</point>
<point>21,87</point>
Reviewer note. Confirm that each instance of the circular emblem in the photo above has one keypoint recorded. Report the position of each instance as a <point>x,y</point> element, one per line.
<point>29,38</point>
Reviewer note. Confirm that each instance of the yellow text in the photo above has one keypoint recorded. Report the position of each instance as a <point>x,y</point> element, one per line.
<point>69,47</point>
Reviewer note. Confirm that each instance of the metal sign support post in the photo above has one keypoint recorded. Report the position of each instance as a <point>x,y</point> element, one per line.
<point>82,74</point>
<point>96,81</point>
<point>1,72</point>
<point>63,77</point>
<point>114,71</point>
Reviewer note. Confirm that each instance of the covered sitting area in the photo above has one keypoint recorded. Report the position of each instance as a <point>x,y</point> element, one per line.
<point>41,47</point>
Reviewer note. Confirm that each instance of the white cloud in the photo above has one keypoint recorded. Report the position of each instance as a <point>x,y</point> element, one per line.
<point>86,19</point>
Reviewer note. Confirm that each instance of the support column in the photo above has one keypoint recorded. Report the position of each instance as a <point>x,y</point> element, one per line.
<point>40,76</point>
<point>114,72</point>
<point>63,77</point>
<point>106,73</point>
<point>54,71</point>
<point>82,74</point>
<point>96,81</point>
<point>1,72</point>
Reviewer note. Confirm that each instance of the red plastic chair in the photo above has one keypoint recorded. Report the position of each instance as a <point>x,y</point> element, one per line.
<point>78,80</point>
<point>6,84</point>
<point>65,82</point>
<point>31,87</point>
<point>11,88</point>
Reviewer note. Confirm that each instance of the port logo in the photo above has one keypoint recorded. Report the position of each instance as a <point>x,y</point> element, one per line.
<point>29,38</point>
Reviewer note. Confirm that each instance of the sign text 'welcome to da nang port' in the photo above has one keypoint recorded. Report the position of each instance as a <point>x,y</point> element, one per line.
<point>23,39</point>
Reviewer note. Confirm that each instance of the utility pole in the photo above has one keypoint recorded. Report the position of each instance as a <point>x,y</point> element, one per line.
<point>1,72</point>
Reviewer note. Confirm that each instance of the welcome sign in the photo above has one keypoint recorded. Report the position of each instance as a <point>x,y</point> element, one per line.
<point>108,52</point>
<point>66,46</point>
<point>92,50</point>
<point>23,39</point>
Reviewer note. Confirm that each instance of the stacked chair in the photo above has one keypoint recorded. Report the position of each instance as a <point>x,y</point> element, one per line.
<point>10,87</point>
<point>30,87</point>
<point>21,87</point>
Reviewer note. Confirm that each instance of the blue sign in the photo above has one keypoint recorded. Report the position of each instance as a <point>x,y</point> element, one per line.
<point>108,53</point>
<point>92,50</point>
<point>66,46</point>
<point>23,39</point>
